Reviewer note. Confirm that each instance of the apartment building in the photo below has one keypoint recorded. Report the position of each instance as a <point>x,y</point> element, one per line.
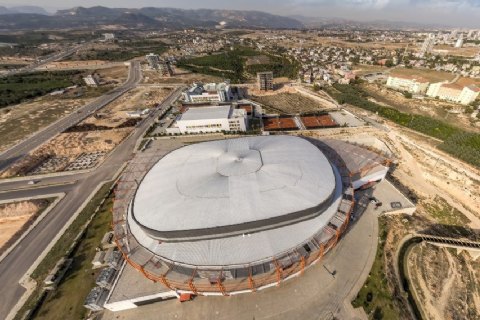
<point>428,44</point>
<point>265,80</point>
<point>453,92</point>
<point>412,84</point>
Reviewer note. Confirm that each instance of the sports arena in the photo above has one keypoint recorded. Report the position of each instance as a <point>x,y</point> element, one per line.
<point>238,215</point>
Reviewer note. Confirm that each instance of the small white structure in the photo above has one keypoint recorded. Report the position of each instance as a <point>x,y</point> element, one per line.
<point>210,92</point>
<point>210,119</point>
<point>91,81</point>
<point>109,36</point>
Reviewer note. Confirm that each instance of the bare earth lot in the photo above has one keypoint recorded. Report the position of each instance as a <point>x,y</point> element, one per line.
<point>14,215</point>
<point>431,75</point>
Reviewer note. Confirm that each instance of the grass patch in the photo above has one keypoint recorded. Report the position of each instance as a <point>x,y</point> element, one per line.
<point>431,75</point>
<point>375,297</point>
<point>66,302</point>
<point>62,247</point>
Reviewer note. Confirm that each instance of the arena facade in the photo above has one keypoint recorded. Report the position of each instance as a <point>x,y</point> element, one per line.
<point>238,215</point>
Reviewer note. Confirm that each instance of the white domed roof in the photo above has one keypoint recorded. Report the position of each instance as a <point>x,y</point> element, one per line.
<point>227,187</point>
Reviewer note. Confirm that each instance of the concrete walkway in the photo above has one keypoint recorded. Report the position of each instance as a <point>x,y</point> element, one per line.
<point>314,295</point>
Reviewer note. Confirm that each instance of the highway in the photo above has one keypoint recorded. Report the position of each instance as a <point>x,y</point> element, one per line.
<point>46,61</point>
<point>23,148</point>
<point>17,263</point>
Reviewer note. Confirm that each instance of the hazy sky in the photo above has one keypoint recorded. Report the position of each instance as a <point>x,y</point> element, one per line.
<point>453,12</point>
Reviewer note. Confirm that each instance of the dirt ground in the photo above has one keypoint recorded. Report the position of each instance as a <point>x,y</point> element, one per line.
<point>76,64</point>
<point>468,81</point>
<point>13,217</point>
<point>68,147</point>
<point>459,116</point>
<point>113,75</point>
<point>465,51</point>
<point>179,76</point>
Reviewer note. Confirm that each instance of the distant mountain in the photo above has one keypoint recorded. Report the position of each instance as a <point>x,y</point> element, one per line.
<point>184,18</point>
<point>332,22</point>
<point>23,9</point>
<point>29,9</point>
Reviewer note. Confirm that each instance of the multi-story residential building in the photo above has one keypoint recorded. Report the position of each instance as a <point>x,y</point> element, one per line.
<point>459,43</point>
<point>210,92</point>
<point>453,92</point>
<point>91,81</point>
<point>265,80</point>
<point>412,84</point>
<point>428,44</point>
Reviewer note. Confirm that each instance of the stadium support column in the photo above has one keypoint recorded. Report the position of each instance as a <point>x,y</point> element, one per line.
<point>191,285</point>
<point>279,272</point>
<point>250,279</point>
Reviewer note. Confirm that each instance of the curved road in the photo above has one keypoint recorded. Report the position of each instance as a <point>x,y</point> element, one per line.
<point>24,147</point>
<point>16,264</point>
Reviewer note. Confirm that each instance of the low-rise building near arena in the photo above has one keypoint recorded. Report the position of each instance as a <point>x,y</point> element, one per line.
<point>210,92</point>
<point>237,215</point>
<point>209,119</point>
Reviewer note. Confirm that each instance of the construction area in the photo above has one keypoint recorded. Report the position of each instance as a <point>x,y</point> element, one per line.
<point>15,217</point>
<point>75,151</point>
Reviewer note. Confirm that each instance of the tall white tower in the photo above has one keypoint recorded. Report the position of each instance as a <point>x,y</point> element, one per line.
<point>428,44</point>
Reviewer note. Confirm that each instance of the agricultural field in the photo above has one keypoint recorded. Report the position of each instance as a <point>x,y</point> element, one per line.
<point>289,103</point>
<point>431,75</point>
<point>21,87</point>
<point>179,76</point>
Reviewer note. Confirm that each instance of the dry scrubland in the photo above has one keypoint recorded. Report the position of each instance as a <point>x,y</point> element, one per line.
<point>20,121</point>
<point>447,284</point>
<point>14,216</point>
<point>459,116</point>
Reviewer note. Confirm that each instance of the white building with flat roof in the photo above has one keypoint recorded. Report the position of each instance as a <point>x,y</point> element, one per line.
<point>210,119</point>
<point>453,92</point>
<point>91,81</point>
<point>413,84</point>
<point>209,92</point>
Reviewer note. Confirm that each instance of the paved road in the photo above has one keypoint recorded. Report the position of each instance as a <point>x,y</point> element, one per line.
<point>16,264</point>
<point>24,147</point>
